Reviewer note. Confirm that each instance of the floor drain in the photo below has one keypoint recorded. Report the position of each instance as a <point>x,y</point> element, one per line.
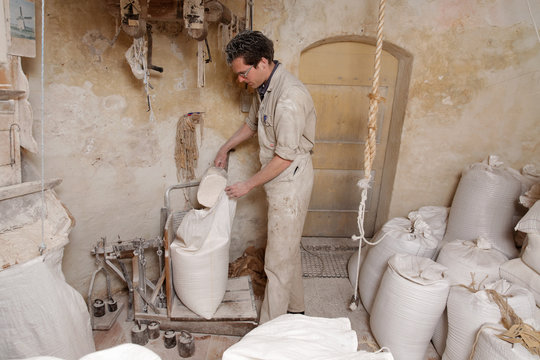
<point>322,264</point>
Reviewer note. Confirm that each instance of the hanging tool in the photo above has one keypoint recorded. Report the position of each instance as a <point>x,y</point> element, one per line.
<point>149,52</point>
<point>133,23</point>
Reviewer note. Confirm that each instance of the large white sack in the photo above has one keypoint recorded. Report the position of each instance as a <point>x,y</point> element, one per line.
<point>531,253</point>
<point>476,257</point>
<point>436,217</point>
<point>530,222</point>
<point>517,272</point>
<point>483,206</point>
<point>41,314</point>
<point>200,257</point>
<point>468,311</point>
<point>466,261</point>
<point>123,352</point>
<point>409,303</point>
<point>530,185</point>
<point>490,347</point>
<point>397,236</point>
<point>299,337</point>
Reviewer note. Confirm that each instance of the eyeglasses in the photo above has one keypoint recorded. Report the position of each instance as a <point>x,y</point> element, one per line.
<point>245,74</point>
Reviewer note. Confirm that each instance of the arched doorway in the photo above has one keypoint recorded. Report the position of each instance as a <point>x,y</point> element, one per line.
<point>338,73</point>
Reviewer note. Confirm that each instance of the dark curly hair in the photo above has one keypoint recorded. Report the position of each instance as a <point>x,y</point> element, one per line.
<point>252,46</point>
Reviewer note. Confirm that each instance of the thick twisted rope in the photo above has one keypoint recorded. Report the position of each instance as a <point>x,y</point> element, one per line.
<point>371,143</point>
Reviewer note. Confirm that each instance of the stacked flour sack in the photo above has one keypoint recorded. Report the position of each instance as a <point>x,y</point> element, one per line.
<point>200,253</point>
<point>488,314</point>
<point>454,276</point>
<point>400,285</point>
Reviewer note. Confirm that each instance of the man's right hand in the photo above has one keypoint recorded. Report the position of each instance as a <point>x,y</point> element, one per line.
<point>221,159</point>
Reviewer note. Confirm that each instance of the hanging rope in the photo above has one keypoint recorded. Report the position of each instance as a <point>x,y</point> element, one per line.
<point>42,246</point>
<point>186,152</point>
<point>369,149</point>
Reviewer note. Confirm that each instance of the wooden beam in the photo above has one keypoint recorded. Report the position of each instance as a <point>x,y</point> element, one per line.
<point>30,187</point>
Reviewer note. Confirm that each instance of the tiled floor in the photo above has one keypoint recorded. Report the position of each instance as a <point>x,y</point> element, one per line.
<point>325,297</point>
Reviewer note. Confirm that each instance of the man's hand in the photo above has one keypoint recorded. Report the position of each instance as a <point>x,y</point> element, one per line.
<point>238,190</point>
<point>221,159</point>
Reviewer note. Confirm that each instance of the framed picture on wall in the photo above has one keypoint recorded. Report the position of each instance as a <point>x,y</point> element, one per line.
<point>22,24</point>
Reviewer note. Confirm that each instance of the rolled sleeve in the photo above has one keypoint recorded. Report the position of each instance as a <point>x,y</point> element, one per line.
<point>289,123</point>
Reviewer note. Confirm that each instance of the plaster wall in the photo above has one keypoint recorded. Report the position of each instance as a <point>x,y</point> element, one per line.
<point>474,86</point>
<point>474,91</point>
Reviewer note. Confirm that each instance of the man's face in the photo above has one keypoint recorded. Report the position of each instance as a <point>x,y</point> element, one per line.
<point>253,75</point>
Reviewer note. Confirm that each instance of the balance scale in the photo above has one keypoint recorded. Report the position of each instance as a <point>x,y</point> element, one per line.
<point>148,302</point>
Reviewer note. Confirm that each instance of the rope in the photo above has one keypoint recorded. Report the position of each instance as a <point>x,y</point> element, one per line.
<point>371,143</point>
<point>43,246</point>
<point>533,21</point>
<point>517,332</point>
<point>186,151</point>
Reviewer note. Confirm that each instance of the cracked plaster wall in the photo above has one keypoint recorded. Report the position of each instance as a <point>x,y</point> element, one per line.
<point>474,86</point>
<point>474,92</point>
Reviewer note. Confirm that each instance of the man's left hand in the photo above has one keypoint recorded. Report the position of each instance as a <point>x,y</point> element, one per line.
<point>237,190</point>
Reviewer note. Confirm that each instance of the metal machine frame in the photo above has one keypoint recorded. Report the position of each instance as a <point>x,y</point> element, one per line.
<point>160,304</point>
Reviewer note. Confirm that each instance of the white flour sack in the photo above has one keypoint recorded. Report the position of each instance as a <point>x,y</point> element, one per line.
<point>435,217</point>
<point>531,254</point>
<point>300,337</point>
<point>465,260</point>
<point>468,311</point>
<point>491,347</point>
<point>517,272</point>
<point>200,257</point>
<point>409,303</point>
<point>212,184</point>
<point>399,235</point>
<point>476,257</point>
<point>483,205</point>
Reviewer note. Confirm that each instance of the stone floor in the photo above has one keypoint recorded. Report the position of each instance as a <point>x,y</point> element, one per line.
<point>325,297</point>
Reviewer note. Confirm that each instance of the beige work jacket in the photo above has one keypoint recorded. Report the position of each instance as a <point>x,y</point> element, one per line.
<point>284,119</point>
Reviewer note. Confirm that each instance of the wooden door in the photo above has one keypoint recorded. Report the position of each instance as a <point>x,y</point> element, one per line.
<point>339,78</point>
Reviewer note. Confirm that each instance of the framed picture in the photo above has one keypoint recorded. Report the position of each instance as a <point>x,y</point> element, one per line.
<point>22,24</point>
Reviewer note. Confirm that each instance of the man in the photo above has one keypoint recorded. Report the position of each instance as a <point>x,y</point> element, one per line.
<point>283,115</point>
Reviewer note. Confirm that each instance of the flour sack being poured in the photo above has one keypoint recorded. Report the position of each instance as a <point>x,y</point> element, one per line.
<point>213,182</point>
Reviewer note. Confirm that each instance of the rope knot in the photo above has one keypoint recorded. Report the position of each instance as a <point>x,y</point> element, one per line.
<point>376,97</point>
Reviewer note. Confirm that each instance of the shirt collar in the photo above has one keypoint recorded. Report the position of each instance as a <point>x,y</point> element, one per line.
<point>262,89</point>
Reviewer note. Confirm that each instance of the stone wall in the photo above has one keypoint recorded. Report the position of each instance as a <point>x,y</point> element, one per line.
<point>474,92</point>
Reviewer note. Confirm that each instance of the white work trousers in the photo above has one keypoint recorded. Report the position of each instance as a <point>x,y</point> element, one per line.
<point>288,198</point>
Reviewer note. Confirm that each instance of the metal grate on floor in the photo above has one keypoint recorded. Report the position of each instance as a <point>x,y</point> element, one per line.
<point>325,264</point>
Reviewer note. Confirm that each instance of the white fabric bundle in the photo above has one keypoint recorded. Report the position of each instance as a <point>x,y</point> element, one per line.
<point>468,311</point>
<point>41,314</point>
<point>517,272</point>
<point>399,235</point>
<point>409,303</point>
<point>200,257</point>
<point>483,205</point>
<point>465,259</point>
<point>490,347</point>
<point>299,337</point>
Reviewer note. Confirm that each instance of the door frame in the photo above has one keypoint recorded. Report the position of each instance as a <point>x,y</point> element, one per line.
<point>399,106</point>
